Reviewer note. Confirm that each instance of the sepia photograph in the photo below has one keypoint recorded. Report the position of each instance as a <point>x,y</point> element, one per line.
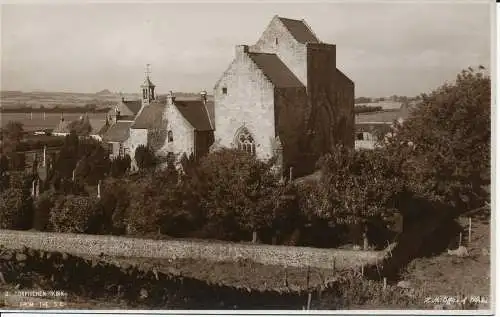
<point>323,156</point>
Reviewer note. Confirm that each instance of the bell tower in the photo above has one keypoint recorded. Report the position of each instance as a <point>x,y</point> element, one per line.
<point>148,88</point>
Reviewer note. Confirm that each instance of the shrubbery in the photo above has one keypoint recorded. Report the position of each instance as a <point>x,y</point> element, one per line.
<point>77,214</point>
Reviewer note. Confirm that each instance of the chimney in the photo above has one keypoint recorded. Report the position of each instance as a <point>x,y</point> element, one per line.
<point>241,50</point>
<point>170,98</point>
<point>203,96</point>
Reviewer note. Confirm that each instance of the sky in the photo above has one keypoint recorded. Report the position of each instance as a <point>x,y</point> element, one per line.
<point>386,48</point>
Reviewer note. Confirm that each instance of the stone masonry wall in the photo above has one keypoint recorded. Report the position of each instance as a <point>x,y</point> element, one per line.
<point>277,39</point>
<point>182,131</point>
<point>292,110</point>
<point>80,244</point>
<point>248,101</point>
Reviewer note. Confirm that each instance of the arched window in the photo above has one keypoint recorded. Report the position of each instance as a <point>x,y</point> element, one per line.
<point>245,141</point>
<point>170,136</point>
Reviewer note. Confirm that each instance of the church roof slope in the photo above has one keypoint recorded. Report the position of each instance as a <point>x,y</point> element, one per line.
<point>195,113</point>
<point>275,70</point>
<point>151,117</point>
<point>118,132</point>
<point>299,30</point>
<point>133,105</point>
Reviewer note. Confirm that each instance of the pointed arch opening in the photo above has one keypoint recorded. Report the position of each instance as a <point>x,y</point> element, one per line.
<point>244,141</point>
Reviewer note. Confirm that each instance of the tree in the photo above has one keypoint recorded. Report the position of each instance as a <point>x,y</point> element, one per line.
<point>236,191</point>
<point>12,134</point>
<point>444,147</point>
<point>145,157</point>
<point>120,165</point>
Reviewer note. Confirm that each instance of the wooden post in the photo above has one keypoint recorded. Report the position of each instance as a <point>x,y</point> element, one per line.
<point>33,188</point>
<point>99,189</point>
<point>460,240</point>
<point>309,301</point>
<point>286,276</point>
<point>291,173</point>
<point>44,155</point>
<point>385,282</point>
<point>470,229</point>
<point>307,276</point>
<point>73,177</point>
<point>254,237</point>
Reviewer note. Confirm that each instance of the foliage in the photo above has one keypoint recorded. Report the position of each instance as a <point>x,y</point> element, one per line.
<point>120,165</point>
<point>365,108</point>
<point>355,185</point>
<point>16,209</point>
<point>145,157</point>
<point>115,199</point>
<point>235,190</point>
<point>94,165</point>
<point>77,214</point>
<point>43,205</point>
<point>443,149</point>
<point>12,134</point>
<point>81,127</point>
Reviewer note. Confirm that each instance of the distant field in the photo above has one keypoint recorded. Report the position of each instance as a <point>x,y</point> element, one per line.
<point>51,119</point>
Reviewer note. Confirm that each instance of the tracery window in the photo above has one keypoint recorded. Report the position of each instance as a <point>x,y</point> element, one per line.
<point>245,141</point>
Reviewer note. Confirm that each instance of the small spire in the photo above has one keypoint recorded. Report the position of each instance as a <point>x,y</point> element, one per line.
<point>148,70</point>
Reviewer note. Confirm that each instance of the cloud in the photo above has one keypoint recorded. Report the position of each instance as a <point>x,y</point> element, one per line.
<point>401,48</point>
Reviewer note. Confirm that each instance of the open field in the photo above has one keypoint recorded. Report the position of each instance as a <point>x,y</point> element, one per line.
<point>51,119</point>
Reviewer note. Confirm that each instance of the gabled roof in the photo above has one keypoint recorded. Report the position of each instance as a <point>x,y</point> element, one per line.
<point>342,76</point>
<point>299,30</point>
<point>118,132</point>
<point>128,107</point>
<point>62,127</point>
<point>151,117</point>
<point>275,70</point>
<point>195,112</point>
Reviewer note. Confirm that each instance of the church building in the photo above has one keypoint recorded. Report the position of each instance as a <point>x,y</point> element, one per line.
<point>285,97</point>
<point>171,127</point>
<point>282,97</point>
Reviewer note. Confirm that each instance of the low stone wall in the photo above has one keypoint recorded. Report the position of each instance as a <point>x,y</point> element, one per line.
<point>176,249</point>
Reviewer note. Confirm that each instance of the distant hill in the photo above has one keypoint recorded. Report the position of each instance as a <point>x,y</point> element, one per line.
<point>104,92</point>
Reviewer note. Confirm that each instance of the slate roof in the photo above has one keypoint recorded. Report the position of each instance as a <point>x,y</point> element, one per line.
<point>275,70</point>
<point>195,113</point>
<point>151,117</point>
<point>299,30</point>
<point>127,107</point>
<point>118,132</point>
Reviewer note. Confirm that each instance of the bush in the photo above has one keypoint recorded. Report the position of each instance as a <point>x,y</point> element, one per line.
<point>16,209</point>
<point>43,205</point>
<point>77,214</point>
<point>145,157</point>
<point>120,166</point>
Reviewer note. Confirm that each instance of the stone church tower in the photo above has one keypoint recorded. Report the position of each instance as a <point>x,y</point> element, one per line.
<point>285,97</point>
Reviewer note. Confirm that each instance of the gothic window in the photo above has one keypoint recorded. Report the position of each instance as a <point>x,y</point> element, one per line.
<point>144,93</point>
<point>245,141</point>
<point>170,136</point>
<point>224,90</point>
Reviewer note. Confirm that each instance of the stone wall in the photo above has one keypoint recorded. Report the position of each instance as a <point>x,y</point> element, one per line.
<point>245,97</point>
<point>182,132</point>
<point>276,39</point>
<point>81,244</point>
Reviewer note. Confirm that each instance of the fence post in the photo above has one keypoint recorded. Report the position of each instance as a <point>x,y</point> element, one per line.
<point>385,282</point>
<point>309,301</point>
<point>307,276</point>
<point>460,240</point>
<point>291,173</point>
<point>470,229</point>
<point>99,189</point>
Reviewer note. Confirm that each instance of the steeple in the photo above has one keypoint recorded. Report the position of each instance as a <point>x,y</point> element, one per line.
<point>148,88</point>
